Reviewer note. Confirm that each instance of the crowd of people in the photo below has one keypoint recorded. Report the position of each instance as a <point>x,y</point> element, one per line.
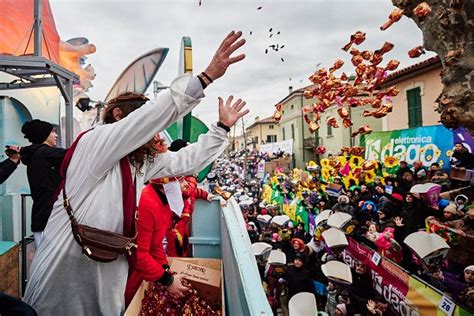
<point>384,206</point>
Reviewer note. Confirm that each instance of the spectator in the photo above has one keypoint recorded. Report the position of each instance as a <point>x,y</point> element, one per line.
<point>461,157</point>
<point>419,172</point>
<point>298,277</point>
<point>456,285</point>
<point>43,161</point>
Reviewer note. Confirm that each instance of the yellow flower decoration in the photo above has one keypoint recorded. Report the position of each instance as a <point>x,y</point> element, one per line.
<point>449,153</point>
<point>325,163</point>
<point>422,150</point>
<point>429,157</point>
<point>437,152</point>
<point>347,180</point>
<point>370,176</point>
<point>441,163</point>
<point>390,162</point>
<point>325,174</point>
<point>356,161</point>
<point>342,160</point>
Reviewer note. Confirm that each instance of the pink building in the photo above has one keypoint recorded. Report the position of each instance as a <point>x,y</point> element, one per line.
<point>420,85</point>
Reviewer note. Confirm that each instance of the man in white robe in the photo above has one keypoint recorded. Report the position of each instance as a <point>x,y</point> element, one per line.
<point>62,280</point>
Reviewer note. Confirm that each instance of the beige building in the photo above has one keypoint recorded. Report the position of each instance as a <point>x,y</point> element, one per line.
<point>262,131</point>
<point>420,85</point>
<point>292,126</point>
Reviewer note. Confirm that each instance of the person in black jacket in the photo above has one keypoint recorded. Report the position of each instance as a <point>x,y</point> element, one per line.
<point>461,157</point>
<point>43,161</point>
<point>9,165</point>
<point>298,278</point>
<point>361,290</point>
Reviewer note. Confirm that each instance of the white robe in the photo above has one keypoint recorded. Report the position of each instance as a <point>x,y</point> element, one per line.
<point>62,280</point>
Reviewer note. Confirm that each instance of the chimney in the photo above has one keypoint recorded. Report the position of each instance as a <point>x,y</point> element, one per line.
<point>256,118</point>
<point>290,89</point>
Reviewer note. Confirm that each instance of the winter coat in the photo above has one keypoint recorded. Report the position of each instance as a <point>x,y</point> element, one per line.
<point>463,252</point>
<point>43,163</point>
<point>298,280</point>
<point>6,169</point>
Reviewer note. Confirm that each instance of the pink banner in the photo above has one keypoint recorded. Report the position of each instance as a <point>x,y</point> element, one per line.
<point>388,279</point>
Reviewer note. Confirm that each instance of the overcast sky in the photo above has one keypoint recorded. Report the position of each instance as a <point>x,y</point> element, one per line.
<point>313,31</point>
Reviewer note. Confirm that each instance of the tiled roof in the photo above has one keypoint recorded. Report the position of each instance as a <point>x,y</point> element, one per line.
<point>267,120</point>
<point>427,64</point>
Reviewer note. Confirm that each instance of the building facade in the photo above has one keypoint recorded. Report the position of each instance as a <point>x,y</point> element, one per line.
<point>262,131</point>
<point>420,85</point>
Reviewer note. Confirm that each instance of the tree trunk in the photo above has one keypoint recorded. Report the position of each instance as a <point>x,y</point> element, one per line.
<point>449,31</point>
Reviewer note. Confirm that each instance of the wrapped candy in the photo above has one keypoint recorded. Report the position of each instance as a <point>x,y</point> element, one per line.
<point>158,301</point>
<point>277,114</point>
<point>313,127</point>
<point>394,16</point>
<point>320,150</point>
<point>360,69</point>
<point>366,113</point>
<point>357,150</point>
<point>421,11</point>
<point>331,121</point>
<point>367,54</point>
<point>392,65</point>
<point>363,130</point>
<point>387,46</point>
<point>356,38</point>
<point>376,59</point>
<point>392,91</point>
<point>357,60</point>
<point>308,94</point>
<point>354,51</point>
<point>416,52</point>
<point>224,194</point>
<point>337,64</point>
<point>343,112</point>
<point>346,122</point>
<point>344,77</point>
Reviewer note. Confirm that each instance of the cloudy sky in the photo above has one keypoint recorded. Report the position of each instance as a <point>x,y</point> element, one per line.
<point>313,32</point>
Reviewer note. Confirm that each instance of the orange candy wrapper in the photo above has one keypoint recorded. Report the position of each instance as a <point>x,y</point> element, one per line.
<point>363,130</point>
<point>394,16</point>
<point>337,64</point>
<point>387,46</point>
<point>422,10</point>
<point>356,38</point>
<point>392,65</point>
<point>416,52</point>
<point>343,113</point>
<point>331,121</point>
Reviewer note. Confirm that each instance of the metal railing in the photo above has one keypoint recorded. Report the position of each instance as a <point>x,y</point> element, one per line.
<point>24,241</point>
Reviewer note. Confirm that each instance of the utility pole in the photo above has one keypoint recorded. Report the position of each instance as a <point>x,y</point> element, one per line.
<point>245,149</point>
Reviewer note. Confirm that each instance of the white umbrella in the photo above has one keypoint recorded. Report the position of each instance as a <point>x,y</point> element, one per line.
<point>335,237</point>
<point>423,188</point>
<point>427,246</point>
<point>277,257</point>
<point>302,304</point>
<point>323,216</point>
<point>281,220</point>
<point>337,271</point>
<point>264,218</point>
<point>261,248</point>
<point>339,219</point>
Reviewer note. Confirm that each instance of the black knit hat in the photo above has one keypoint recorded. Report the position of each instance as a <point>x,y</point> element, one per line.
<point>177,145</point>
<point>37,131</point>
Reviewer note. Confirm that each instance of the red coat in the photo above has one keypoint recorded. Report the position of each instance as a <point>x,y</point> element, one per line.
<point>177,235</point>
<point>153,221</point>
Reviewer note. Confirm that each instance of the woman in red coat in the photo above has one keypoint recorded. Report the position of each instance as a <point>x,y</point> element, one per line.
<point>151,262</point>
<point>177,236</point>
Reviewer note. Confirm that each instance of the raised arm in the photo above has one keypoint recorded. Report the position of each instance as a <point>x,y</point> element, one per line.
<point>115,141</point>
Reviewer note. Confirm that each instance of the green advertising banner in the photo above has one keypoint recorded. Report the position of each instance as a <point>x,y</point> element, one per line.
<point>427,144</point>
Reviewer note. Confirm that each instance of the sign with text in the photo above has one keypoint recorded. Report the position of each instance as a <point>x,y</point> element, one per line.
<point>198,273</point>
<point>285,146</point>
<point>427,144</point>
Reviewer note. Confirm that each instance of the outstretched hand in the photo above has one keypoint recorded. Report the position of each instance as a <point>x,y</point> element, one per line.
<point>222,59</point>
<point>230,113</point>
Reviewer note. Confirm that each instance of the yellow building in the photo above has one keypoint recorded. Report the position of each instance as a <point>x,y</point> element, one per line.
<point>262,131</point>
<point>420,85</point>
<point>292,126</point>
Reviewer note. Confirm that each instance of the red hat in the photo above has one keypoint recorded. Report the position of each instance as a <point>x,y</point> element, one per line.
<point>397,196</point>
<point>263,212</point>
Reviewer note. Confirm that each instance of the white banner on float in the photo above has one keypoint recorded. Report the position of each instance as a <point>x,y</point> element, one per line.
<point>286,146</point>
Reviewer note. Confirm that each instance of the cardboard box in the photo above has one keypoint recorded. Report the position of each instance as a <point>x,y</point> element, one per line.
<point>204,274</point>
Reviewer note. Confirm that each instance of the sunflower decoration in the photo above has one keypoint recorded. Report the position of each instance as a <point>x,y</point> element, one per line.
<point>437,153</point>
<point>441,164</point>
<point>325,163</point>
<point>449,153</point>
<point>347,180</point>
<point>356,172</point>
<point>370,176</point>
<point>356,161</point>
<point>429,157</point>
<point>341,160</point>
<point>325,175</point>
<point>390,162</point>
<point>422,150</point>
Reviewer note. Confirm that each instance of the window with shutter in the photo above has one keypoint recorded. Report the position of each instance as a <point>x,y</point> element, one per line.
<point>415,118</point>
